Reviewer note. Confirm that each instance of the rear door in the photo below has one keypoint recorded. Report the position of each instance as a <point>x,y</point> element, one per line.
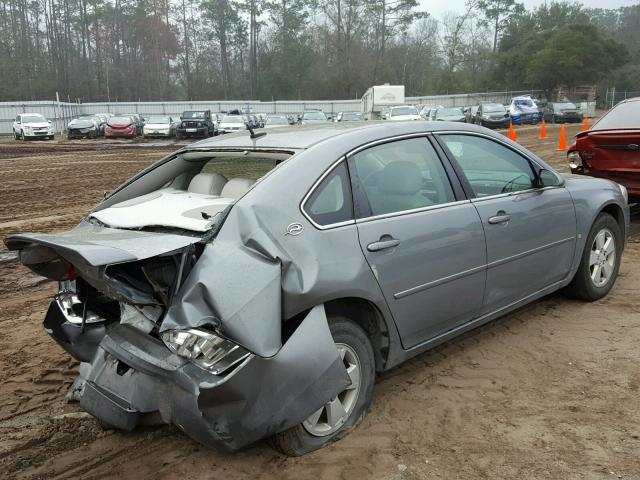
<point>530,232</point>
<point>423,241</point>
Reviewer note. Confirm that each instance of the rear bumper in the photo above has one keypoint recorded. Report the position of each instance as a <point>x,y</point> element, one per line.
<point>131,374</point>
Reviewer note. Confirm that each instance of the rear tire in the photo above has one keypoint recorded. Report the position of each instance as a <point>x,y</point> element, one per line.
<point>600,261</point>
<point>311,434</point>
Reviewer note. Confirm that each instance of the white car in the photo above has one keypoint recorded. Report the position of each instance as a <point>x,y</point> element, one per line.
<point>159,126</point>
<point>232,123</point>
<point>32,125</point>
<point>403,112</point>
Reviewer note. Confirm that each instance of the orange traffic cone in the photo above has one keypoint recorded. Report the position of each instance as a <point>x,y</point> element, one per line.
<point>543,130</point>
<point>585,124</point>
<point>512,133</point>
<point>562,144</point>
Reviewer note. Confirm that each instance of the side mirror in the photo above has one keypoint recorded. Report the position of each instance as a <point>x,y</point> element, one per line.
<point>547,178</point>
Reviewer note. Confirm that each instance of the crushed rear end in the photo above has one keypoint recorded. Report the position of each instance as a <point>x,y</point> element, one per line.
<point>167,327</point>
<point>613,154</point>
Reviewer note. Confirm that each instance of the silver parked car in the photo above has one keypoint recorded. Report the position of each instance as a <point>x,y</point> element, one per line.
<point>252,285</point>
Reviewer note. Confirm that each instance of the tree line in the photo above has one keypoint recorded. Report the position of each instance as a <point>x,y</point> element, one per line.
<point>108,50</point>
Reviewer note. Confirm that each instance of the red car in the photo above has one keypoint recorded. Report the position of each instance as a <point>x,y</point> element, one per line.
<point>611,149</point>
<point>120,127</point>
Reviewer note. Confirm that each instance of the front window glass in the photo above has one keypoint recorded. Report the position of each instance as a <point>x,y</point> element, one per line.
<point>314,116</point>
<point>33,119</point>
<point>120,120</point>
<point>525,102</point>
<point>232,119</point>
<point>193,115</point>
<point>398,176</point>
<point>449,112</point>
<point>277,121</point>
<point>352,117</point>
<point>493,108</point>
<point>331,200</point>
<point>403,111</point>
<point>158,120</point>
<point>490,168</point>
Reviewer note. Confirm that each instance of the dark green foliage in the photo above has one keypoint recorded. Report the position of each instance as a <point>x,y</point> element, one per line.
<point>100,50</point>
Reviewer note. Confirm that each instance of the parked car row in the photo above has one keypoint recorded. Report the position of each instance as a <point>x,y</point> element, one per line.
<point>204,123</point>
<point>522,109</point>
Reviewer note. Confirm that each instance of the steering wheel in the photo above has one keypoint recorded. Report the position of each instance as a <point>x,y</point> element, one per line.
<point>508,187</point>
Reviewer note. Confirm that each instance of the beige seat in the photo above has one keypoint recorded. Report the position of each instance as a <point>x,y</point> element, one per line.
<point>236,187</point>
<point>207,184</point>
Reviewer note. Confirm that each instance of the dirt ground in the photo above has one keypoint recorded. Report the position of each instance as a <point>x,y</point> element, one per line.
<point>550,391</point>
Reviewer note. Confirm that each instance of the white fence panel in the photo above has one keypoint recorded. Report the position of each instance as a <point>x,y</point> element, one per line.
<point>9,110</point>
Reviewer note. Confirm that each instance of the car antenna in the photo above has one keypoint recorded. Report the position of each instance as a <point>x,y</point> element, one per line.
<point>253,135</point>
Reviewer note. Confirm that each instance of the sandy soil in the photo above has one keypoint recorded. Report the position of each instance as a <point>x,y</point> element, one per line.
<point>550,391</point>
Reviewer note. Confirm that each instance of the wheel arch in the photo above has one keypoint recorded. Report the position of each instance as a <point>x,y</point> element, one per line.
<point>367,315</point>
<point>616,212</point>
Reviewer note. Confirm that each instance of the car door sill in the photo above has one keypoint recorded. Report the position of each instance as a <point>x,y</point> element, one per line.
<point>455,331</point>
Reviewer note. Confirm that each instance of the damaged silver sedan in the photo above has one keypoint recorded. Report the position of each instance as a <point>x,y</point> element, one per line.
<point>251,286</point>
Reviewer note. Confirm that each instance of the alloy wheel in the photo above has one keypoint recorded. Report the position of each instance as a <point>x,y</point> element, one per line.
<point>331,416</point>
<point>602,259</point>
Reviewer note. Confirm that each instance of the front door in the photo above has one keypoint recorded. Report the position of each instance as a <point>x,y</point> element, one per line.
<point>425,246</point>
<point>530,231</point>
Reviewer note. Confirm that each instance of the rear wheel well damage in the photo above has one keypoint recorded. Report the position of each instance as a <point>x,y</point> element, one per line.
<point>367,316</point>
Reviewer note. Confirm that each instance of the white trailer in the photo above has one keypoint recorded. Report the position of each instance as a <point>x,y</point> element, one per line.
<point>380,97</point>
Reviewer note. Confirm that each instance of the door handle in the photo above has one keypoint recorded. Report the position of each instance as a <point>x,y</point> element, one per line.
<point>386,241</point>
<point>500,217</point>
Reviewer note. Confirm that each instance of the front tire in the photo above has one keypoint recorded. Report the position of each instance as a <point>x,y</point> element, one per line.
<point>340,415</point>
<point>600,261</point>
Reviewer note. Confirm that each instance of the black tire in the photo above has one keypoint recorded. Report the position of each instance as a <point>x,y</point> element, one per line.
<point>15,136</point>
<point>297,440</point>
<point>582,287</point>
<point>22,137</point>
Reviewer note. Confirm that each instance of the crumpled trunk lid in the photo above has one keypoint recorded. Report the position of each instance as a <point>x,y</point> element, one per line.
<point>109,259</point>
<point>94,246</point>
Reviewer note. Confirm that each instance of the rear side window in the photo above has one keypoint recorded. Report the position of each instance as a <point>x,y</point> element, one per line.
<point>623,115</point>
<point>331,201</point>
<point>398,176</point>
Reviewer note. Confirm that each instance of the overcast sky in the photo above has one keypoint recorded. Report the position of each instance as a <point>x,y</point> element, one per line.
<point>437,7</point>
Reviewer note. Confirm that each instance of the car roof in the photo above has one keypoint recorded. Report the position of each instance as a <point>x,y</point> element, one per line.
<point>301,137</point>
